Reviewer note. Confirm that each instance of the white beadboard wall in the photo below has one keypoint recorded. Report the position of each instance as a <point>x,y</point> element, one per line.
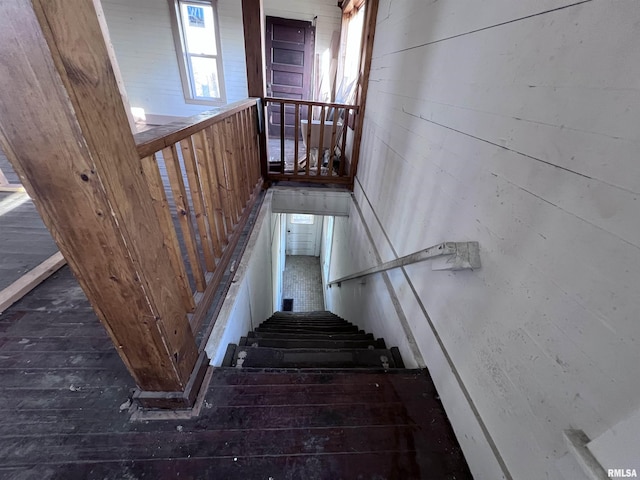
<point>514,124</point>
<point>141,34</point>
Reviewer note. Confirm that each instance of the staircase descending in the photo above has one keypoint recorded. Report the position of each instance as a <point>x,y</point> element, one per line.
<point>312,396</point>
<point>311,340</point>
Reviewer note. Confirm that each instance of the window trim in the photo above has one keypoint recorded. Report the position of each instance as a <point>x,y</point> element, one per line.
<point>184,58</point>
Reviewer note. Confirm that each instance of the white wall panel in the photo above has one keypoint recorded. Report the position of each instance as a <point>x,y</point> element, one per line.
<point>514,124</point>
<point>141,34</point>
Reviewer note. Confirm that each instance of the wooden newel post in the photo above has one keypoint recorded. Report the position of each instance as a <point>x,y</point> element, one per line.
<point>64,128</point>
<point>254,33</point>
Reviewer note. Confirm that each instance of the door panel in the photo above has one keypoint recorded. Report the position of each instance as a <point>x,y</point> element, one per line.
<point>290,45</point>
<point>303,238</point>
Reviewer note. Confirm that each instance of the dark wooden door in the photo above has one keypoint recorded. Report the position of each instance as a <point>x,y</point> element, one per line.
<point>290,45</point>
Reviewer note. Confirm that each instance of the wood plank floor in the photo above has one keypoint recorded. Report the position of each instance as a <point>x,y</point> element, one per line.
<point>24,240</point>
<point>7,169</point>
<point>62,383</point>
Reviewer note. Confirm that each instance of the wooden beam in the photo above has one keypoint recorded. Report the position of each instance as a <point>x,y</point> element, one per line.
<point>254,41</point>
<point>254,31</point>
<point>163,136</point>
<point>30,280</point>
<point>11,187</point>
<point>368,35</point>
<point>64,128</point>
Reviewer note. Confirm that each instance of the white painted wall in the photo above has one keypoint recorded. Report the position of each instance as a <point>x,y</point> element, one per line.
<point>514,124</point>
<point>277,258</point>
<point>618,445</point>
<point>143,41</point>
<point>365,302</point>
<point>325,201</point>
<point>249,300</point>
<point>325,257</point>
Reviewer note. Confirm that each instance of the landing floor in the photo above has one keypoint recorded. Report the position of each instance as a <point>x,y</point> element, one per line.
<point>303,283</point>
<point>24,240</point>
<point>62,383</point>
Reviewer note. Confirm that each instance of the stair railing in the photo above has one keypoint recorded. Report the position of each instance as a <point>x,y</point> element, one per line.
<point>453,256</point>
<point>204,176</point>
<point>310,141</point>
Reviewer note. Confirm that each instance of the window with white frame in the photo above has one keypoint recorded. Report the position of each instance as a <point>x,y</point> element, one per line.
<point>198,47</point>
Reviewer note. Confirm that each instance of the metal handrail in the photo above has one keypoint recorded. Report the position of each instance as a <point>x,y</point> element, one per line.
<point>463,256</point>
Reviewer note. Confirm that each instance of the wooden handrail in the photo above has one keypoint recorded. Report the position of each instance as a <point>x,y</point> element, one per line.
<point>203,175</point>
<point>155,139</point>
<point>310,150</point>
<point>312,103</point>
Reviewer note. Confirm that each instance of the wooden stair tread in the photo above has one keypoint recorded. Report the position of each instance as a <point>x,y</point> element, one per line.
<point>308,336</point>
<point>312,357</point>
<point>310,328</point>
<point>311,343</point>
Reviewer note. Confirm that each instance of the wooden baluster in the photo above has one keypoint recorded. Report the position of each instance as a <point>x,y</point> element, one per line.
<point>246,147</point>
<point>256,141</point>
<point>239,148</point>
<point>232,157</point>
<point>253,142</point>
<point>332,148</point>
<point>345,131</point>
<point>250,133</point>
<point>204,160</point>
<point>296,134</point>
<point>215,189</point>
<point>241,131</point>
<point>235,209</point>
<point>195,186</point>
<point>282,120</point>
<point>321,141</point>
<point>223,180</point>
<point>309,117</point>
<point>181,201</point>
<point>152,176</point>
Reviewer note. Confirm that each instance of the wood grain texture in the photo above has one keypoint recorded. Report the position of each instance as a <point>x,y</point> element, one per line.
<point>149,166</point>
<point>205,160</point>
<point>214,178</point>
<point>157,138</point>
<point>229,208</point>
<point>199,210</point>
<point>62,420</point>
<point>366,53</point>
<point>86,182</point>
<point>254,37</point>
<point>183,213</point>
<point>313,103</point>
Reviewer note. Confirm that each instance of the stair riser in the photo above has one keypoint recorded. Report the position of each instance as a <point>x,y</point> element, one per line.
<point>308,320</point>
<point>314,336</point>
<point>309,328</point>
<point>311,358</point>
<point>308,325</point>
<point>289,332</point>
<point>297,343</point>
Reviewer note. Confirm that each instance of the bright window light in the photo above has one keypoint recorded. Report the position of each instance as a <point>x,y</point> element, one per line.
<point>201,64</point>
<point>301,219</point>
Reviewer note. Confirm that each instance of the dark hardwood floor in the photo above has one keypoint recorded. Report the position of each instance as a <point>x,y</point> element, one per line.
<point>24,240</point>
<point>62,385</point>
